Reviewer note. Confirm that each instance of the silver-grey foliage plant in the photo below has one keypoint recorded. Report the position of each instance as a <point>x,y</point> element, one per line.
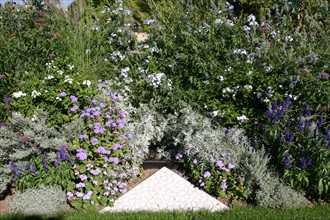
<point>31,136</point>
<point>39,201</point>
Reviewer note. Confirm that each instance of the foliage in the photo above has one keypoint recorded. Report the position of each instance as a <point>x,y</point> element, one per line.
<point>26,37</point>
<point>300,142</point>
<point>40,170</point>
<point>22,138</point>
<point>39,201</point>
<point>60,93</point>
<point>217,179</point>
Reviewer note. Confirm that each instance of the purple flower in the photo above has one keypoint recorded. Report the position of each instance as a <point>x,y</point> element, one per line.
<point>108,123</point>
<point>28,165</point>
<point>83,177</point>
<point>300,124</point>
<point>195,161</point>
<point>74,108</point>
<point>96,172</point>
<point>94,141</point>
<point>100,80</point>
<point>207,174</point>
<point>83,136</point>
<point>231,166</point>
<point>95,182</point>
<point>6,100</point>
<point>98,128</point>
<point>62,94</point>
<point>80,185</point>
<point>224,185</point>
<point>63,153</point>
<point>81,155</point>
<point>79,194</point>
<point>34,170</point>
<point>51,55</point>
<point>115,160</point>
<point>13,168</point>
<point>102,150</point>
<point>321,121</point>
<point>88,195</point>
<point>102,105</point>
<point>69,195</point>
<point>307,111</point>
<point>178,156</point>
<point>117,146</point>
<point>44,162</point>
<point>93,101</point>
<point>201,184</point>
<point>286,161</point>
<point>219,164</point>
<point>325,75</point>
<point>1,76</point>
<point>97,113</point>
<point>73,98</point>
<point>114,98</point>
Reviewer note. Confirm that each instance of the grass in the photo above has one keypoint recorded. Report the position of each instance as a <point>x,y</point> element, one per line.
<point>317,212</point>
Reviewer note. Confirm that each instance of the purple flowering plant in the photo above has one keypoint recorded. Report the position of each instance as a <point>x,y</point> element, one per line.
<point>216,178</point>
<point>102,167</point>
<point>299,142</point>
<point>42,169</point>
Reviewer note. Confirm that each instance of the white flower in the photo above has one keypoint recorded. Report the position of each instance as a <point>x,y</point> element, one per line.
<point>240,51</point>
<point>71,67</point>
<point>58,98</point>
<point>68,80</point>
<point>242,118</point>
<point>251,18</point>
<point>60,72</point>
<point>34,117</point>
<point>221,78</point>
<point>19,94</point>
<point>246,28</point>
<point>87,82</point>
<point>288,39</point>
<point>218,21</point>
<point>35,93</point>
<point>230,23</point>
<point>49,77</point>
<point>248,87</point>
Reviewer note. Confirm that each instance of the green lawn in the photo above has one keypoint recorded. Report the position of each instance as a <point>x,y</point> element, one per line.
<point>317,212</point>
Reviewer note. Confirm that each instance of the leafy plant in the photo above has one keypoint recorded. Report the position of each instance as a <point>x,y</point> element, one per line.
<point>299,142</point>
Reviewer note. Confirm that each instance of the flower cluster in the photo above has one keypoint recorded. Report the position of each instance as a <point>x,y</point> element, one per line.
<point>216,178</point>
<point>301,143</point>
<point>102,165</point>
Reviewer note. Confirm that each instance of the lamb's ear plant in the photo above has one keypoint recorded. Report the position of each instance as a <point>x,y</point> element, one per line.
<point>264,185</point>
<point>39,201</point>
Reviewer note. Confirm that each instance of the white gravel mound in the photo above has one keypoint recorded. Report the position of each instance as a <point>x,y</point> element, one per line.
<point>166,191</point>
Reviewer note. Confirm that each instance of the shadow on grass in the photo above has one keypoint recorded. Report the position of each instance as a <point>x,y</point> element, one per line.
<point>20,216</point>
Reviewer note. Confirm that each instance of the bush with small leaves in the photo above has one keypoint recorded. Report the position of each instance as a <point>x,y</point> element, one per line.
<point>38,201</point>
